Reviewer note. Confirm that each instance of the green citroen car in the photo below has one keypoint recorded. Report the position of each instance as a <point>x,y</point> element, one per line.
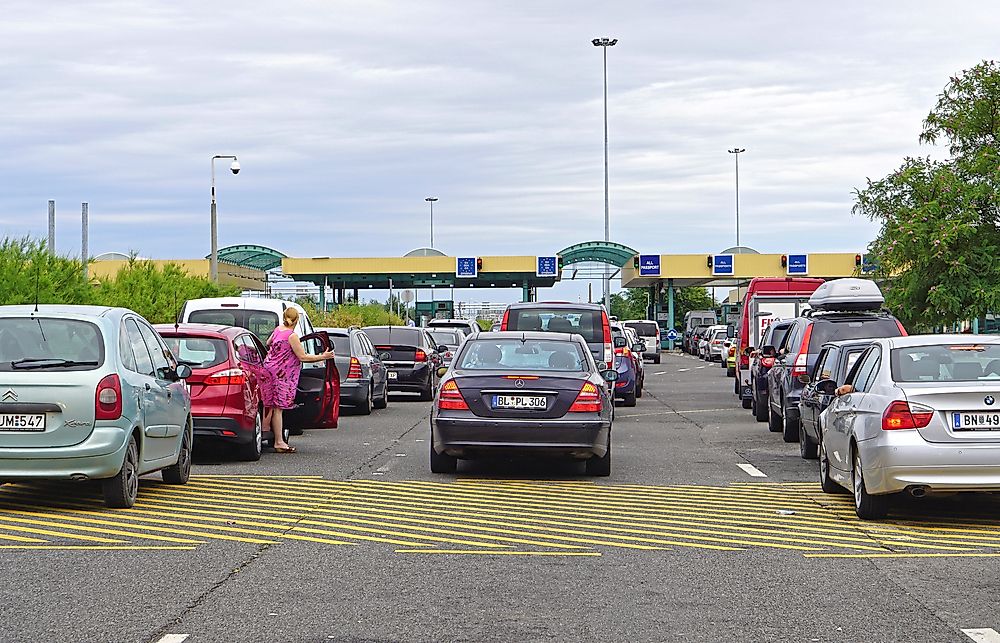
<point>90,393</point>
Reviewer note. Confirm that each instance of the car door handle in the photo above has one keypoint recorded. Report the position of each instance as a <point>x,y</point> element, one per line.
<point>148,387</point>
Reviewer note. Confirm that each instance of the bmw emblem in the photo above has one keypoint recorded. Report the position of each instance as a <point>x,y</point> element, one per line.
<point>989,400</point>
<point>520,384</point>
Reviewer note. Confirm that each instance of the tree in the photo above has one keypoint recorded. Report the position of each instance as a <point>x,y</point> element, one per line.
<point>631,303</point>
<point>691,298</point>
<point>29,274</point>
<point>939,234</point>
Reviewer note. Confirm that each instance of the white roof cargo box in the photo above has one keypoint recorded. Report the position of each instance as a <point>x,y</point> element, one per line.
<point>847,294</point>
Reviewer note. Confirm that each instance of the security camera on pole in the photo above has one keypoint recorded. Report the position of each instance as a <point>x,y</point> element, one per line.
<point>604,43</point>
<point>214,263</point>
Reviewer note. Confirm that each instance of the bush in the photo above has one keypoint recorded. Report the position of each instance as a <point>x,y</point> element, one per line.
<point>371,314</point>
<point>29,274</point>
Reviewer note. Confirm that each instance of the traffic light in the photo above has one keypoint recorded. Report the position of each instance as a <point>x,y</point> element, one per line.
<point>857,260</point>
<point>708,261</point>
<point>559,260</point>
<point>635,262</point>
<point>784,261</point>
<point>479,264</point>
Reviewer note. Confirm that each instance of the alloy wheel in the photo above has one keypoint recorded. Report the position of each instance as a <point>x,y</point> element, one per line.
<point>130,470</point>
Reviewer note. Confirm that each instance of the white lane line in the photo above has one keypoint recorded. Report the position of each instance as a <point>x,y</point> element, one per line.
<point>681,412</point>
<point>753,472</point>
<point>174,638</point>
<point>983,635</point>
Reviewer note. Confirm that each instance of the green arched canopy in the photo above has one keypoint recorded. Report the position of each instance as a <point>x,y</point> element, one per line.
<point>607,252</point>
<point>251,256</point>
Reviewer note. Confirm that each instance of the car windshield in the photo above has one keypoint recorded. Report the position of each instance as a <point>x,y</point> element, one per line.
<point>946,363</point>
<point>529,355</point>
<point>586,322</point>
<point>644,329</point>
<point>198,352</point>
<point>48,343</point>
<point>447,337</point>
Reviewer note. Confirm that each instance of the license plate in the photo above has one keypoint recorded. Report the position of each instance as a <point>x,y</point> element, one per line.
<point>519,402</point>
<point>975,421</point>
<point>747,392</point>
<point>392,375</point>
<point>22,421</point>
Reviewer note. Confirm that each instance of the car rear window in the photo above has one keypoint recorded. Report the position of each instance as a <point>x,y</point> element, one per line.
<point>464,327</point>
<point>395,336</point>
<point>341,344</point>
<point>198,352</point>
<point>946,363</point>
<point>644,329</point>
<point>586,322</point>
<point>828,330</point>
<point>516,355</point>
<point>447,337</point>
<point>49,343</point>
<point>259,322</point>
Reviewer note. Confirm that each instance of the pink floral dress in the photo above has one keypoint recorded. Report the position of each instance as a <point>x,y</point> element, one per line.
<point>282,369</point>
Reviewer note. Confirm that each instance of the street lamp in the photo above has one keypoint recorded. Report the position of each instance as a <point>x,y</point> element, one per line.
<point>214,262</point>
<point>604,43</point>
<point>736,151</point>
<point>431,200</point>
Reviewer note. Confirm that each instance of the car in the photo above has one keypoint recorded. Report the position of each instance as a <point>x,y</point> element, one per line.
<point>467,326</point>
<point>630,351</point>
<point>729,351</point>
<point>226,365</point>
<point>649,334</point>
<point>525,392</point>
<point>410,356</point>
<point>91,393</point>
<point>694,340</point>
<point>761,363</point>
<point>364,384</point>
<point>692,320</point>
<point>317,400</point>
<point>918,415</point>
<point>835,360</point>
<point>449,339</point>
<point>840,309</point>
<point>714,339</point>
<point>590,321</point>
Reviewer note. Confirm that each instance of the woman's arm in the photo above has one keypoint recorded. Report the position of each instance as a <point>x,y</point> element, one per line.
<point>293,341</point>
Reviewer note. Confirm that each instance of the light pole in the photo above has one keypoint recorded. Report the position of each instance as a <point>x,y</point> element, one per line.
<point>214,262</point>
<point>604,43</point>
<point>736,151</point>
<point>431,200</point>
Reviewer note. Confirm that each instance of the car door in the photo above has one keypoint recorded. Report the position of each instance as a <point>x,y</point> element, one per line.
<point>171,408</point>
<point>809,402</point>
<point>151,397</point>
<point>844,413</point>
<point>251,362</point>
<point>779,373</point>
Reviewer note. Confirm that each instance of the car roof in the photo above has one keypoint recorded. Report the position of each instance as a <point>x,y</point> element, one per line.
<point>250,303</point>
<point>558,305</point>
<point>59,309</point>
<point>200,329</point>
<point>932,340</point>
<point>528,334</point>
<point>849,343</point>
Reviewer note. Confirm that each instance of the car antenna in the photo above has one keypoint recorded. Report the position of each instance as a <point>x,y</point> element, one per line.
<point>38,269</point>
<point>177,315</point>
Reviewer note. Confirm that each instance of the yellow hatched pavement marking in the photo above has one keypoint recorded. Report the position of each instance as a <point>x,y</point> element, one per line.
<point>104,547</point>
<point>50,532</point>
<point>499,553</point>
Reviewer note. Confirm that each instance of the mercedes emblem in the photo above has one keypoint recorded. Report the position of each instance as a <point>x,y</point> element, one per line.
<point>519,383</point>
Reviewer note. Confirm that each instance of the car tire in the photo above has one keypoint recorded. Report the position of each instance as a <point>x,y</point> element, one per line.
<point>251,452</point>
<point>808,449</point>
<point>745,402</point>
<point>774,423</point>
<point>730,371</point>
<point>790,428</point>
<point>427,394</point>
<point>180,472</point>
<point>867,507</point>
<point>600,467</point>
<point>121,491</point>
<point>442,462</point>
<point>629,399</point>
<point>759,411</point>
<point>639,387</point>
<point>383,401</point>
<point>826,483</point>
<point>656,359</point>
<point>368,403</point>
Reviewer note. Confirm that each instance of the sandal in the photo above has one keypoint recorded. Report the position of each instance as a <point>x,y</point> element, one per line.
<point>285,450</point>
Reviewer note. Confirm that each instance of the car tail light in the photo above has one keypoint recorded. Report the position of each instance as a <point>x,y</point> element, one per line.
<point>450,398</point>
<point>900,415</point>
<point>420,356</point>
<point>506,317</point>
<point>354,371</point>
<point>767,362</point>
<point>108,398</point>
<point>732,351</point>
<point>799,367</point>
<point>902,331</point>
<point>224,378</point>
<point>587,401</point>
<point>609,346</point>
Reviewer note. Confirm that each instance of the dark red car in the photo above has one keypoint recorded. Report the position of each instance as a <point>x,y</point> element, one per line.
<point>226,363</point>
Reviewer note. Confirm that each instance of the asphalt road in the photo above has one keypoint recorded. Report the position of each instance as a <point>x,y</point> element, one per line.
<point>352,539</point>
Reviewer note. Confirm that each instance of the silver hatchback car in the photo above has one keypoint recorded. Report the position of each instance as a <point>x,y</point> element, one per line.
<point>921,415</point>
<point>87,393</point>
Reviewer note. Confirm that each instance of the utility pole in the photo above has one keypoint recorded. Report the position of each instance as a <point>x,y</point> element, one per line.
<point>84,241</point>
<point>736,151</point>
<point>604,43</point>
<point>52,227</point>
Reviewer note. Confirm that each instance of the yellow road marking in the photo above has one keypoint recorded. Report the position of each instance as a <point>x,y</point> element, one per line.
<point>499,553</point>
<point>967,554</point>
<point>100,547</point>
<point>49,532</point>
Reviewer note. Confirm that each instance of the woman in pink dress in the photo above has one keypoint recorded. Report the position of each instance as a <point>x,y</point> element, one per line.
<point>283,366</point>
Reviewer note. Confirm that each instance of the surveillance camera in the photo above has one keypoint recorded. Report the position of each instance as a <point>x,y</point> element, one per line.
<point>235,167</point>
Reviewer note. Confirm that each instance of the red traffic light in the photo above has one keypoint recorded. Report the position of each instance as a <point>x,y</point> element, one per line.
<point>784,261</point>
<point>857,260</point>
<point>479,263</point>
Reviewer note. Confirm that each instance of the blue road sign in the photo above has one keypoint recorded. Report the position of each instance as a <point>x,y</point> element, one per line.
<point>649,265</point>
<point>547,267</point>
<point>673,335</point>
<point>798,265</point>
<point>722,265</point>
<point>465,267</point>
<point>867,265</point>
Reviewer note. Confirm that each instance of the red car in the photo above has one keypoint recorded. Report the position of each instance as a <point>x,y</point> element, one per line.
<point>226,363</point>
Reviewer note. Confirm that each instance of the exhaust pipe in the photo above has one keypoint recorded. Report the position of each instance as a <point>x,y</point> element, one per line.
<point>918,492</point>
<point>79,477</point>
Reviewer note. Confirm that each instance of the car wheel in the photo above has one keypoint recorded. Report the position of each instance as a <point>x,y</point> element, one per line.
<point>736,387</point>
<point>367,404</point>
<point>251,452</point>
<point>656,359</point>
<point>808,449</point>
<point>826,483</point>
<point>867,507</point>
<point>383,400</point>
<point>121,491</point>
<point>600,466</point>
<point>180,472</point>
<point>773,420</point>
<point>629,399</point>
<point>427,394</point>
<point>759,410</point>
<point>730,371</point>
<point>639,387</point>
<point>790,429</point>
<point>442,462</point>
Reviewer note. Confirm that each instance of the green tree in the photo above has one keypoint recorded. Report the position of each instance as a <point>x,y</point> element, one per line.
<point>939,238</point>
<point>29,273</point>
<point>630,303</point>
<point>691,298</point>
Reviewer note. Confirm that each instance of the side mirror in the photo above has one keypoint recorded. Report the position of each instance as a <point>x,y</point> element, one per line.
<point>442,349</point>
<point>620,342</point>
<point>609,376</point>
<point>826,387</point>
<point>768,351</point>
<point>384,356</point>
<point>748,351</point>
<point>804,379</point>
<point>730,331</point>
<point>183,371</point>
<point>639,347</point>
<point>441,371</point>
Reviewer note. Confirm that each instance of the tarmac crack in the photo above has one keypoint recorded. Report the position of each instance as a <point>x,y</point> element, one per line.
<point>368,465</point>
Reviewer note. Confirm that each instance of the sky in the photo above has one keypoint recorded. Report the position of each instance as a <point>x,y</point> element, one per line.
<point>346,115</point>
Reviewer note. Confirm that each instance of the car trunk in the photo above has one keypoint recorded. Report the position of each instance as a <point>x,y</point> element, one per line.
<point>947,401</point>
<point>481,390</point>
<point>68,407</point>
<point>208,399</point>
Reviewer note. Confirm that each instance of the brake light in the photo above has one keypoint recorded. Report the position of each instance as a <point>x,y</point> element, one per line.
<point>732,351</point>
<point>609,346</point>
<point>902,331</point>
<point>108,398</point>
<point>450,398</point>
<point>800,364</point>
<point>224,378</point>
<point>420,356</point>
<point>900,415</point>
<point>503,322</point>
<point>354,371</point>
<point>588,400</point>
<point>767,362</point>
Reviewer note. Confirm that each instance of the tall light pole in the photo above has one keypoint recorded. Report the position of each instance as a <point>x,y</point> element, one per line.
<point>604,43</point>
<point>736,151</point>
<point>214,262</point>
<point>431,200</point>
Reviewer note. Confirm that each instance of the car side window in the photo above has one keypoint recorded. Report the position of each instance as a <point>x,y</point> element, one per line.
<point>246,350</point>
<point>157,351</point>
<point>369,347</point>
<point>863,371</point>
<point>125,349</point>
<point>143,361</point>
<point>821,361</point>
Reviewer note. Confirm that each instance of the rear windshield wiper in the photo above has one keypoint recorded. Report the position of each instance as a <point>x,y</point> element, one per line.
<point>46,362</point>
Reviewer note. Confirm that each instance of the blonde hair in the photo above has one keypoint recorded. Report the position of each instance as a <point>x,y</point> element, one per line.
<point>290,317</point>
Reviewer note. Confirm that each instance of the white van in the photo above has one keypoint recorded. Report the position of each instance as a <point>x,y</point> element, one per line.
<point>649,334</point>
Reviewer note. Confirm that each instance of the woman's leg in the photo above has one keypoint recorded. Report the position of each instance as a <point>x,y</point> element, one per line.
<point>278,428</point>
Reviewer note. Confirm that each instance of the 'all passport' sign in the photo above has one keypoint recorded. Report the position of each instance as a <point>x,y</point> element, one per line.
<point>649,265</point>
<point>798,265</point>
<point>722,265</point>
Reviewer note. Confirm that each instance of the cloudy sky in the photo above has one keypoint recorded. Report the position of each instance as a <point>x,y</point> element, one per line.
<point>346,115</point>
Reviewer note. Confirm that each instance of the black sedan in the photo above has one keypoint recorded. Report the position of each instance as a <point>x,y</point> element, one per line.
<point>834,361</point>
<point>410,357</point>
<point>523,392</point>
